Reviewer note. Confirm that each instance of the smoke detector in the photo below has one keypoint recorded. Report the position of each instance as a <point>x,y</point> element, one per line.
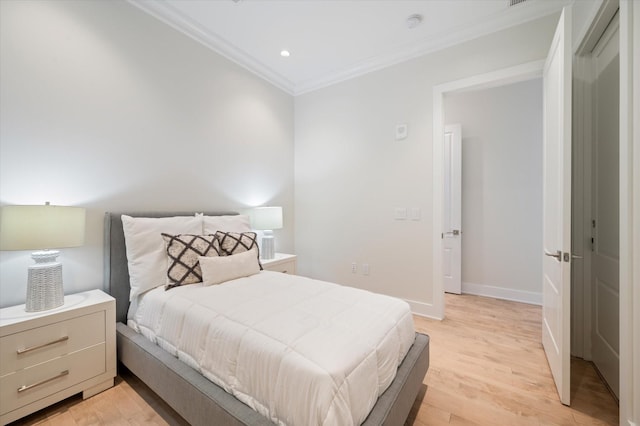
<point>414,20</point>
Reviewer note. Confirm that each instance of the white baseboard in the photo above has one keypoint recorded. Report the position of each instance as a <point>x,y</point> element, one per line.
<point>424,309</point>
<point>529,297</point>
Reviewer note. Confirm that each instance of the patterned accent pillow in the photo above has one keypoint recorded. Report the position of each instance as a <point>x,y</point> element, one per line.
<point>184,250</point>
<point>238,242</point>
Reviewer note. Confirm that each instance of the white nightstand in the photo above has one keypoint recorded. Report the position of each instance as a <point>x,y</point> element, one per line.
<point>281,263</point>
<point>48,356</point>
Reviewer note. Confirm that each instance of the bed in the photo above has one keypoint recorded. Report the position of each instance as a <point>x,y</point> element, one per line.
<point>194,397</point>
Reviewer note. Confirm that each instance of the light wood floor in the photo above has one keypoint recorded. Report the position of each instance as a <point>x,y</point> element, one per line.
<point>487,368</point>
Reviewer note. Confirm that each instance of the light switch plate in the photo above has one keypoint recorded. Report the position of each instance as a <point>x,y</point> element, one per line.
<point>400,213</point>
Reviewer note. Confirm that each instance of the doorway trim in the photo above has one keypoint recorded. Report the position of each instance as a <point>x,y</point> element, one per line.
<point>518,73</point>
<point>629,213</point>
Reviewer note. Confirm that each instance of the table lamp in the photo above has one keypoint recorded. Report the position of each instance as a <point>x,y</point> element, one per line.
<point>42,228</point>
<point>267,219</point>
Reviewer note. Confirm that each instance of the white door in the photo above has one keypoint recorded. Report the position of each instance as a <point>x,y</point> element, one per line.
<point>452,214</point>
<point>556,239</point>
<point>605,339</point>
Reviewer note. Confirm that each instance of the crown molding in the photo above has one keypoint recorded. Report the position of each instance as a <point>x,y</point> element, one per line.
<point>431,45</point>
<point>520,14</point>
<point>177,20</point>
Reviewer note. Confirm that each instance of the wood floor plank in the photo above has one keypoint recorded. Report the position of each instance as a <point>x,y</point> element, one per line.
<point>487,367</point>
<point>490,368</point>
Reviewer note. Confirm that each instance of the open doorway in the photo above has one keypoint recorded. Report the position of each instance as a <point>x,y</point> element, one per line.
<point>506,76</point>
<point>502,204</point>
<point>595,297</point>
<point>556,75</point>
<point>581,306</point>
<point>501,189</point>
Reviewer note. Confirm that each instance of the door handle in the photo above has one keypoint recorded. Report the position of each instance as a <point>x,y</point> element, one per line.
<point>454,232</point>
<point>557,255</point>
<point>568,257</point>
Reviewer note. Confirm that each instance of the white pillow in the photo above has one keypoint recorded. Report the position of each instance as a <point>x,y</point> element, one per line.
<point>146,252</point>
<point>235,223</point>
<point>216,270</point>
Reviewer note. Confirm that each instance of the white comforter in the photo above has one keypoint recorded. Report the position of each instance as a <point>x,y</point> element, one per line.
<point>298,351</point>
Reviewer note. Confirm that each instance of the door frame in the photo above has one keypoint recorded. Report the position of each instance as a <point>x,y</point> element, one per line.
<point>518,73</point>
<point>629,212</point>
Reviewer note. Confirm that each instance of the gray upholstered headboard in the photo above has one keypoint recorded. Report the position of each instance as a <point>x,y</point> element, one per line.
<point>116,271</point>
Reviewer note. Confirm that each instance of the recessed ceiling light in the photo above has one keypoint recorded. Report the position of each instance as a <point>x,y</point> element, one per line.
<point>414,20</point>
<point>285,53</point>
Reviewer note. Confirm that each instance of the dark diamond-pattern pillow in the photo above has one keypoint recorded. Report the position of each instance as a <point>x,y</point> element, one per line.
<point>238,242</point>
<point>184,250</point>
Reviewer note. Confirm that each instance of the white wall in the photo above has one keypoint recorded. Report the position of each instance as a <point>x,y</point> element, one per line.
<point>501,189</point>
<point>350,174</point>
<point>103,106</point>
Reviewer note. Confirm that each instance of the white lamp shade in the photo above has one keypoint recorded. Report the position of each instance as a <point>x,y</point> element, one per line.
<point>41,227</point>
<point>267,218</point>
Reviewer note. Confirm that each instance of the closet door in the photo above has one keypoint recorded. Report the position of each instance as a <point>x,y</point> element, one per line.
<point>605,339</point>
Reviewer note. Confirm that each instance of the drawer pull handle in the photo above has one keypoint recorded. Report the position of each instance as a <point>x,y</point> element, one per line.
<point>42,382</point>
<point>33,348</point>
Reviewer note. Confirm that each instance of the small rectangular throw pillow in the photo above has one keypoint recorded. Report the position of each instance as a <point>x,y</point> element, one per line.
<point>184,251</point>
<point>238,242</point>
<point>216,270</point>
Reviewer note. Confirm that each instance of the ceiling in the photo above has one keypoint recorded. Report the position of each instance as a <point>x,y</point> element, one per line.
<point>333,40</point>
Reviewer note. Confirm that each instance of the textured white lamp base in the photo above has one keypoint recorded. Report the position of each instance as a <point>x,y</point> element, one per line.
<point>44,286</point>
<point>268,250</point>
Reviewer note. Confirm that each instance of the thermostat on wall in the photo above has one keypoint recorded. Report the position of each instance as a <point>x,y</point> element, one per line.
<point>401,131</point>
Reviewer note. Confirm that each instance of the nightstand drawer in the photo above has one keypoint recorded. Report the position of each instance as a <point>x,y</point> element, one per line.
<point>30,347</point>
<point>286,267</point>
<point>281,262</point>
<point>50,377</point>
<point>54,354</point>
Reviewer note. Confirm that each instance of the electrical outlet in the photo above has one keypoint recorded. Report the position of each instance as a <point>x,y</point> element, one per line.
<point>401,131</point>
<point>365,268</point>
<point>354,268</point>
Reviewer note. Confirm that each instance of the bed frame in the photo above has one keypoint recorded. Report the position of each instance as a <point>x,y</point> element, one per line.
<point>195,398</point>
